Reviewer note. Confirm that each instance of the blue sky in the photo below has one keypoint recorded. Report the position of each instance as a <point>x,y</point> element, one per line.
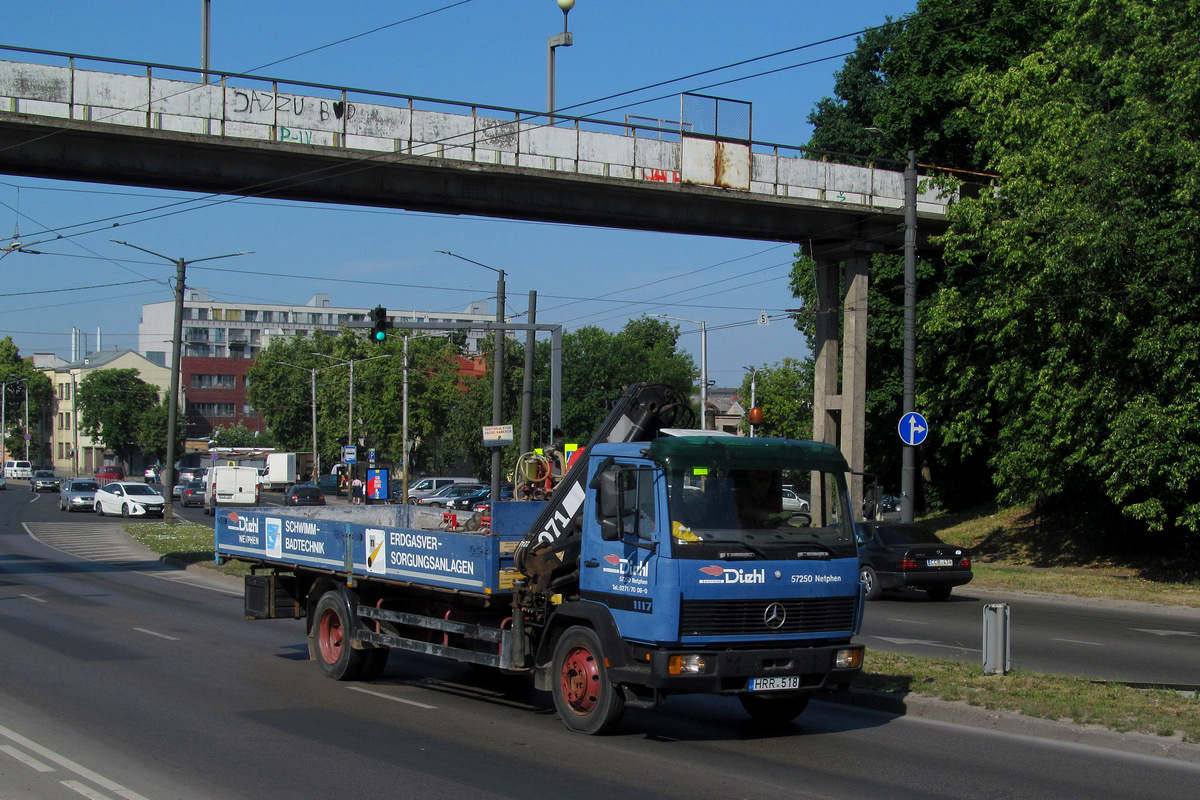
<point>482,51</point>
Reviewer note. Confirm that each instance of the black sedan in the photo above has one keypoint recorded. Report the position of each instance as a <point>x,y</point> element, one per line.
<point>304,494</point>
<point>472,501</point>
<point>896,555</point>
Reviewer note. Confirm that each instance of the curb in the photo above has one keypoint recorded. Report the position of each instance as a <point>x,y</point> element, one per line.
<point>1013,722</point>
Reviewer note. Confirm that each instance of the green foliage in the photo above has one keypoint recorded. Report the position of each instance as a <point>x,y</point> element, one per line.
<point>784,393</point>
<point>239,436</point>
<point>113,404</point>
<point>152,430</point>
<point>281,387</point>
<point>22,381</point>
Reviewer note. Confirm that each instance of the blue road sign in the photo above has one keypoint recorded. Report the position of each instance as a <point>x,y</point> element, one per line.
<point>913,428</point>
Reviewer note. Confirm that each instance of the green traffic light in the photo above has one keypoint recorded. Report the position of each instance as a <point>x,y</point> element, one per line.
<point>380,336</point>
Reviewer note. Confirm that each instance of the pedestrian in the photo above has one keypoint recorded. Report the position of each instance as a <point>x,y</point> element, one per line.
<point>356,487</point>
<point>341,484</point>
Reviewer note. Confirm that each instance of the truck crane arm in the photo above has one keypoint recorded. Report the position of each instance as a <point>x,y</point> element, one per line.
<point>547,555</point>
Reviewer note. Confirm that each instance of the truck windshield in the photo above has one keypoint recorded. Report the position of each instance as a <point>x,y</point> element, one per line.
<point>767,497</point>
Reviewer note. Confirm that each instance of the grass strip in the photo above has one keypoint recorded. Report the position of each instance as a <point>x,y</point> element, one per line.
<point>1159,712</point>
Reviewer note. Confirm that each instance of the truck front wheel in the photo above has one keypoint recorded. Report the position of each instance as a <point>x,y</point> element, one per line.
<point>583,696</point>
<point>329,640</point>
<point>765,708</point>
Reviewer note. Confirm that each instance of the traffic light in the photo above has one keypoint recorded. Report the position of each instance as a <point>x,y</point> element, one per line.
<point>380,324</point>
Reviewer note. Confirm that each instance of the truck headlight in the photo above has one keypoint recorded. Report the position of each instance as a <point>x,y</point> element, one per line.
<point>686,665</point>
<point>850,658</point>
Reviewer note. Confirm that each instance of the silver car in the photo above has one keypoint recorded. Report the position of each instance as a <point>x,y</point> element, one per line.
<point>78,493</point>
<point>44,480</point>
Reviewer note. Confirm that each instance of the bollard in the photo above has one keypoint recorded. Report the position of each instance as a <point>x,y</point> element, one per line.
<point>997,654</point>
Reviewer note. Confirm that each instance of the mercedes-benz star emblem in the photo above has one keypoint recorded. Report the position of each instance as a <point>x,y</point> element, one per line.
<point>775,616</point>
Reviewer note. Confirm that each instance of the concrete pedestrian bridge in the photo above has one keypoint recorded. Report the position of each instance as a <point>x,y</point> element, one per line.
<point>162,126</point>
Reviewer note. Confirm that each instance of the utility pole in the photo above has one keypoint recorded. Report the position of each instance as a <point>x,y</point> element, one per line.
<point>176,345</point>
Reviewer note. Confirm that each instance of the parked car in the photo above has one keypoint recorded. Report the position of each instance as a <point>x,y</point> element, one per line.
<point>192,494</point>
<point>328,484</point>
<point>129,499</point>
<point>794,502</point>
<point>44,480</point>
<point>78,493</point>
<point>896,555</point>
<point>304,494</point>
<point>109,473</point>
<point>472,501</point>
<point>3,485</point>
<point>177,489</point>
<point>424,487</point>
<point>452,491</point>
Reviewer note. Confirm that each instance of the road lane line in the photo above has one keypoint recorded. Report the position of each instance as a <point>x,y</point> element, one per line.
<point>26,759</point>
<point>159,635</point>
<point>1080,641</point>
<point>70,765</point>
<point>390,697</point>
<point>86,791</point>
<point>31,597</point>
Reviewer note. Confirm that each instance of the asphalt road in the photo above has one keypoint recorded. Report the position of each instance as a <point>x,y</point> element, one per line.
<point>1105,640</point>
<point>126,679</point>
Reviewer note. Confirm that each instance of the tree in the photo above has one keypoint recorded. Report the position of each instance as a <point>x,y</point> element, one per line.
<point>238,436</point>
<point>22,381</point>
<point>784,393</point>
<point>1072,291</point>
<point>112,404</point>
<point>152,431</point>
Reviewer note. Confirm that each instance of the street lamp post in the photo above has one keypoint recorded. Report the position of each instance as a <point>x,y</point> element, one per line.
<point>316,459</point>
<point>351,362</point>
<point>563,39</point>
<point>703,365</point>
<point>498,358</point>
<point>176,345</point>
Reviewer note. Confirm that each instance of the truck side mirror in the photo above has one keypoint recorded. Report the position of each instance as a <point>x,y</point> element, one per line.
<point>608,509</point>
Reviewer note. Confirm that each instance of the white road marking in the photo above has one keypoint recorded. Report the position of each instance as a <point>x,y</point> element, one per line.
<point>907,621</point>
<point>70,765</point>
<point>390,697</point>
<point>86,791</point>
<point>1080,641</point>
<point>159,635</point>
<point>26,759</point>
<point>1166,633</point>
<point>31,597</point>
<point>928,643</point>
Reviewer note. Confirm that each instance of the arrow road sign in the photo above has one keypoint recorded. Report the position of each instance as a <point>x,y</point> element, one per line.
<point>913,428</point>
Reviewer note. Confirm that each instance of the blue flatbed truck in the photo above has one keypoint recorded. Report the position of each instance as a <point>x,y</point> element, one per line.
<point>663,563</point>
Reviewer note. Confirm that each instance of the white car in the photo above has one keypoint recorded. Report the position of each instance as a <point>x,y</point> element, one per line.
<point>129,500</point>
<point>794,502</point>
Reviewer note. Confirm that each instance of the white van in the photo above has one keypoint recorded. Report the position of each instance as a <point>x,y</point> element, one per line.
<point>230,486</point>
<point>18,469</point>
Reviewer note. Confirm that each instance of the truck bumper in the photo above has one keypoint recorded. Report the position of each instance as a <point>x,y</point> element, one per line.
<point>682,670</point>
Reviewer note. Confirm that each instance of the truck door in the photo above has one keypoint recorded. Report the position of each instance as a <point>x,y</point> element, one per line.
<point>620,542</point>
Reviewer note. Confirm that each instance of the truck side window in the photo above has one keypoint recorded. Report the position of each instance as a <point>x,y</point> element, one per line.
<point>637,503</point>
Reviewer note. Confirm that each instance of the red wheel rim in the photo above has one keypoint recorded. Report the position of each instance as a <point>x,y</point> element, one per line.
<point>329,637</point>
<point>580,680</point>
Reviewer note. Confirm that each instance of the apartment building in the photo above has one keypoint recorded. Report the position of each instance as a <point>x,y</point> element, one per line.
<point>213,329</point>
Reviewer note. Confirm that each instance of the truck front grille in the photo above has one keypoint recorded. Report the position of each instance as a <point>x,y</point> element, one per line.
<point>757,617</point>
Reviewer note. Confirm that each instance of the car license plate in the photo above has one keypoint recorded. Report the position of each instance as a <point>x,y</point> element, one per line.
<point>941,562</point>
<point>774,684</point>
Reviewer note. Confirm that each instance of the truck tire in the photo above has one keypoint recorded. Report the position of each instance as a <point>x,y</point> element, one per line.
<point>583,696</point>
<point>329,640</point>
<point>774,710</point>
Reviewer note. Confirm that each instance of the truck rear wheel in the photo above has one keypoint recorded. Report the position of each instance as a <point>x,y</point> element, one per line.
<point>329,640</point>
<point>766,708</point>
<point>585,699</point>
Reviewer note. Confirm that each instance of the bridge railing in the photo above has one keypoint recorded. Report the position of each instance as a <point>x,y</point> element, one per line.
<point>391,125</point>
